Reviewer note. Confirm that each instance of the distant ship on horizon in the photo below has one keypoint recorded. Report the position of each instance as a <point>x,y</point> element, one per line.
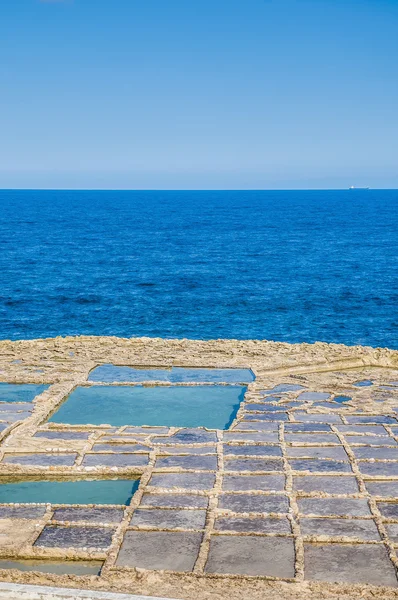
<point>353,187</point>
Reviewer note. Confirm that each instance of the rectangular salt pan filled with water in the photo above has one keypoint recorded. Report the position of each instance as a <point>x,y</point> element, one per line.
<point>57,567</point>
<point>68,491</point>
<point>20,392</point>
<point>113,373</point>
<point>213,407</point>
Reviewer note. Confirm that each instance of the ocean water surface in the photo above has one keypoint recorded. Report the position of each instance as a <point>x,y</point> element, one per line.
<point>295,266</point>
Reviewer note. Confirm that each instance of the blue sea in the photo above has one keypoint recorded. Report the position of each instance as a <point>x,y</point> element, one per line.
<point>294,266</point>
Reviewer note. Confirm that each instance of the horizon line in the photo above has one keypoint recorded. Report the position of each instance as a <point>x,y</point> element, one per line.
<point>66,189</point>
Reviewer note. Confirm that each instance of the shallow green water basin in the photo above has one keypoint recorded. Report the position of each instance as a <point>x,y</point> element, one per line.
<point>68,567</point>
<point>209,406</point>
<point>67,490</point>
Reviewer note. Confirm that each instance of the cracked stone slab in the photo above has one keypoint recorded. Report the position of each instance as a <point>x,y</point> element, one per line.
<point>115,460</point>
<point>253,482</point>
<point>362,529</point>
<point>389,510</point>
<point>188,481</point>
<point>169,518</point>
<point>379,469</point>
<point>59,536</point>
<point>254,525</point>
<point>252,450</point>
<point>315,465</point>
<point>41,460</point>
<point>176,551</point>
<point>253,464</point>
<point>22,512</point>
<point>174,500</point>
<point>251,555</point>
<point>62,435</point>
<point>347,563</point>
<point>205,463</point>
<point>187,436</point>
<point>311,438</point>
<point>235,436</point>
<point>260,503</point>
<point>92,515</point>
<point>352,507</point>
<point>334,452</point>
<point>328,484</point>
<point>120,448</point>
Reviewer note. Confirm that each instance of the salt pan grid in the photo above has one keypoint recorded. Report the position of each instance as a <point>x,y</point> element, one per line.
<point>302,486</point>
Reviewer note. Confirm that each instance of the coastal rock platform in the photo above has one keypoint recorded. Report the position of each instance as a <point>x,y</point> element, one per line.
<point>298,498</point>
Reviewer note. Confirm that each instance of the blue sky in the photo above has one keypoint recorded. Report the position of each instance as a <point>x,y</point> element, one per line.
<point>198,93</point>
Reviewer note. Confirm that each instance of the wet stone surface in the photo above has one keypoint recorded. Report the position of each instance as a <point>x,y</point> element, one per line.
<point>334,452</point>
<point>347,563</point>
<point>253,525</point>
<point>351,507</point>
<point>361,529</point>
<point>238,483</point>
<point>320,466</point>
<point>205,463</point>
<point>251,555</point>
<point>92,515</point>
<point>54,536</point>
<point>63,435</point>
<point>250,450</point>
<point>174,500</point>
<point>259,503</point>
<point>326,484</point>
<point>169,519</point>
<point>188,481</point>
<point>389,510</point>
<point>386,489</point>
<point>311,438</point>
<point>187,436</point>
<point>236,436</point>
<point>22,512</point>
<point>120,448</point>
<point>41,460</point>
<point>174,551</point>
<point>115,460</point>
<point>253,464</point>
<point>379,469</point>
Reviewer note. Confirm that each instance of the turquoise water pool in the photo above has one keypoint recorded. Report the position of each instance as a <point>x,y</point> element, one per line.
<point>64,491</point>
<point>113,373</point>
<point>213,407</point>
<point>20,392</point>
